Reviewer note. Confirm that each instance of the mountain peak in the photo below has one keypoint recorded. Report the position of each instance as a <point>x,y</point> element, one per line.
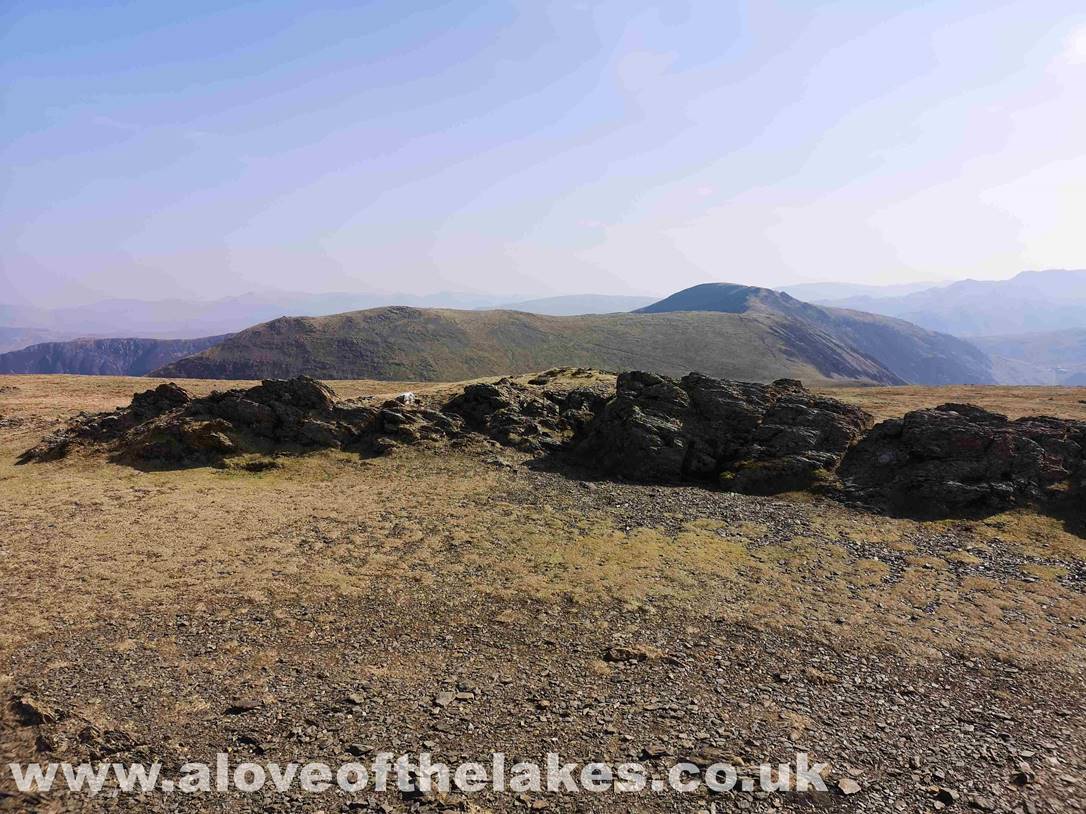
<point>728,298</point>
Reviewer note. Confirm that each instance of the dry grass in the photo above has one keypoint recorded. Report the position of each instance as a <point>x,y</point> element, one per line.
<point>83,541</point>
<point>1015,402</point>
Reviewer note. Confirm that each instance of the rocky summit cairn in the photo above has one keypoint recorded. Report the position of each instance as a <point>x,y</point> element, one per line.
<point>959,459</point>
<point>753,438</point>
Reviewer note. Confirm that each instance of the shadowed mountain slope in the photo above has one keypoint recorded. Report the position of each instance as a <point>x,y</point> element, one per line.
<point>102,357</point>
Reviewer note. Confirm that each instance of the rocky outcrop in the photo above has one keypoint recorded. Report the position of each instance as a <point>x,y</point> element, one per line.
<point>275,416</point>
<point>750,437</point>
<point>91,429</point>
<point>947,461</point>
<point>167,427</point>
<point>959,459</point>
<point>530,419</point>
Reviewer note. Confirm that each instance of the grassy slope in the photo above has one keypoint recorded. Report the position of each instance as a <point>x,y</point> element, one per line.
<point>439,344</point>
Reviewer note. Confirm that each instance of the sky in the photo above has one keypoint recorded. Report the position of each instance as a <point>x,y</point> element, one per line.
<point>533,148</point>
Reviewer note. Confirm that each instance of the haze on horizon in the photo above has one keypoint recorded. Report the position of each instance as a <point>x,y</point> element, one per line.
<point>534,148</point>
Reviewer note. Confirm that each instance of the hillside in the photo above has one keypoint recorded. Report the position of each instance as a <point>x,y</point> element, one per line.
<point>102,357</point>
<point>445,345</point>
<point>914,354</point>
<point>1033,301</point>
<point>1058,357</point>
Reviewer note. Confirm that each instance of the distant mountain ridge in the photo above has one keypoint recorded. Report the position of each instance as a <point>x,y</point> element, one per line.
<point>103,357</point>
<point>824,292</point>
<point>723,329</point>
<point>18,338</point>
<point>194,319</point>
<point>21,326</point>
<point>1030,302</point>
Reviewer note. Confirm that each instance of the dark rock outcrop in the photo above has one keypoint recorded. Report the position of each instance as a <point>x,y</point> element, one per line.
<point>959,459</point>
<point>529,419</point>
<point>752,437</point>
<point>165,397</point>
<point>106,428</point>
<point>167,427</point>
<point>396,424</point>
<point>952,460</point>
<point>274,416</point>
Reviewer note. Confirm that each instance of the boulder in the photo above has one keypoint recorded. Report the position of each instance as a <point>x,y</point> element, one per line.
<point>579,406</point>
<point>753,438</point>
<point>959,459</point>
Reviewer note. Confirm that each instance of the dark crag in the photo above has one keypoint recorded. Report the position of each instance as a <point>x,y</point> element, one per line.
<point>957,459</point>
<point>756,438</point>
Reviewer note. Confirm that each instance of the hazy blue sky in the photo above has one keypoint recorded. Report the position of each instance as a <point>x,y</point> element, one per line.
<point>198,148</point>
